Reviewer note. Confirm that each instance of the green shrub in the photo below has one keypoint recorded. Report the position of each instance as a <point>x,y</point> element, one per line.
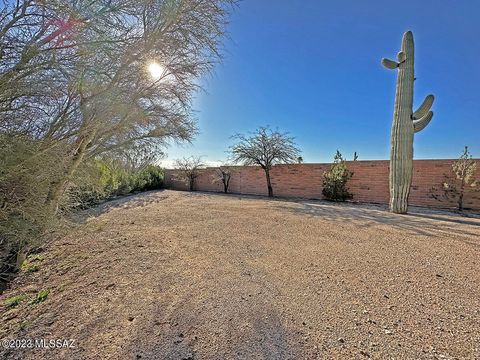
<point>335,180</point>
<point>150,178</point>
<point>128,181</point>
<point>105,179</point>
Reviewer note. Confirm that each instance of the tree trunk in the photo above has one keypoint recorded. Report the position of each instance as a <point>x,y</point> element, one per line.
<point>57,188</point>
<point>269,184</point>
<point>226,181</point>
<point>192,181</point>
<point>460,196</point>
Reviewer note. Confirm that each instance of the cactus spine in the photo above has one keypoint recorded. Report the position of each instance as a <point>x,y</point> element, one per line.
<point>405,124</point>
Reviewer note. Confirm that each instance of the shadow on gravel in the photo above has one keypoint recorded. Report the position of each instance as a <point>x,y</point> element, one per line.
<point>420,221</point>
<point>268,339</point>
<point>451,219</point>
<point>427,224</point>
<point>129,201</point>
<point>217,331</point>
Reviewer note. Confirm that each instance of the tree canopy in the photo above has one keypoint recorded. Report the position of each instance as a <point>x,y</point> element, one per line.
<point>265,148</point>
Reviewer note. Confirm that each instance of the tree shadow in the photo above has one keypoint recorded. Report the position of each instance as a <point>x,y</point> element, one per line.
<point>129,201</point>
<point>267,338</point>
<point>209,327</point>
<point>419,221</point>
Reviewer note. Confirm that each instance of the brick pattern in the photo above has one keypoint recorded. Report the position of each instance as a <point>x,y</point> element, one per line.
<point>368,184</point>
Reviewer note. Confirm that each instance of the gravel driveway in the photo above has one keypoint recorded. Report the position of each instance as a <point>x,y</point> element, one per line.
<point>177,275</point>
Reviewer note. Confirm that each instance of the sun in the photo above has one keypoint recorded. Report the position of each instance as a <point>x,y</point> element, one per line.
<point>156,70</point>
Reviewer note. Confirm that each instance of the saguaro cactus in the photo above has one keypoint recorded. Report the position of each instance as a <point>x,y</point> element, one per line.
<point>405,124</point>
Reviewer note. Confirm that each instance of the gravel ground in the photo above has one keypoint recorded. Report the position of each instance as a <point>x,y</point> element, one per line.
<point>176,275</point>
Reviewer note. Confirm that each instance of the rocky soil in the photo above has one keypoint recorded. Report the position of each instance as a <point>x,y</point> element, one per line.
<point>176,275</point>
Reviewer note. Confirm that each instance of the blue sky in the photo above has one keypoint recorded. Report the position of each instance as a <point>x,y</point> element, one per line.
<point>312,68</point>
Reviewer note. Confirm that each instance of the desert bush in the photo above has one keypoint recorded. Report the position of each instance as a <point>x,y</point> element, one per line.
<point>335,180</point>
<point>27,167</point>
<point>464,177</point>
<point>106,179</point>
<point>41,296</point>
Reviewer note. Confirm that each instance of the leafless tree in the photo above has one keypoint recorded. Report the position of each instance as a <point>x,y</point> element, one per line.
<point>188,169</point>
<point>223,174</point>
<point>265,148</point>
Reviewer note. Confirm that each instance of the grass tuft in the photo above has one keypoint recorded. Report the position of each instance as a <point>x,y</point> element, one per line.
<point>41,296</point>
<point>31,263</point>
<point>15,300</point>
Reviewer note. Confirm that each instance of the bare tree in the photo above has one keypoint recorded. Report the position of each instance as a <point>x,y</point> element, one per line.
<point>188,169</point>
<point>265,148</point>
<point>223,174</point>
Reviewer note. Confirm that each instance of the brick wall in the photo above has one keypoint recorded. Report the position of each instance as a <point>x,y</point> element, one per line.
<point>368,184</point>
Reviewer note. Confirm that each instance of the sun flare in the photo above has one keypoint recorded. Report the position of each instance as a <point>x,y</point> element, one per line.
<point>156,70</point>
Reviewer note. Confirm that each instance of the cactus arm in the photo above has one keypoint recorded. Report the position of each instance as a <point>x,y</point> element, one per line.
<point>424,108</point>
<point>401,57</point>
<point>389,64</point>
<point>420,124</point>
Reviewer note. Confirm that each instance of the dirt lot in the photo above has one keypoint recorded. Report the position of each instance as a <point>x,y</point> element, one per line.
<point>174,275</point>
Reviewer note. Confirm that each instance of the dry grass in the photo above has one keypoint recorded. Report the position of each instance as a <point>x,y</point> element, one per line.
<point>173,275</point>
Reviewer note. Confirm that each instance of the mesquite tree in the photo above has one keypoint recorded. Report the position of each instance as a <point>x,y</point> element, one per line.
<point>76,84</point>
<point>188,169</point>
<point>265,148</point>
<point>75,72</point>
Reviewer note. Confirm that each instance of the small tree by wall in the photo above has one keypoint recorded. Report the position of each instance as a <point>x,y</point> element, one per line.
<point>335,180</point>
<point>265,148</point>
<point>188,169</point>
<point>464,171</point>
<point>223,174</point>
